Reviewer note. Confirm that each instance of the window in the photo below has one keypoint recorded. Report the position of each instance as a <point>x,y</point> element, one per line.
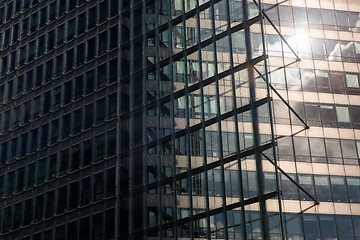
<point>50,40</point>
<point>74,195</point>
<point>91,49</point>
<point>81,24</point>
<point>75,159</point>
<point>99,148</point>
<point>342,114</point>
<point>98,186</point>
<point>327,223</point>
<point>39,208</point>
<point>52,162</point>
<point>20,180</point>
<point>55,131</point>
<point>103,43</point>
<point>103,11</point>
<point>80,56</point>
<point>66,121</point>
<point>92,16</point>
<point>70,59</point>
<point>100,110</point>
<point>64,162</point>
<point>52,11</point>
<point>41,170</point>
<point>61,200</point>
<point>87,153</point>
<point>71,28</point>
<point>49,70</point>
<point>34,22</point>
<point>90,81</point>
<point>352,80</point>
<point>60,34</point>
<point>77,121</point>
<point>344,226</point>
<point>338,188</point>
<point>85,192</point>
<point>50,204</point>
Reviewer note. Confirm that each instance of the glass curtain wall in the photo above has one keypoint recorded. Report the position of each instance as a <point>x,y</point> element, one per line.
<point>191,117</point>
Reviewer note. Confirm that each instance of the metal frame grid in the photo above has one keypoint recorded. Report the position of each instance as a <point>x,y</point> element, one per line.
<point>162,200</point>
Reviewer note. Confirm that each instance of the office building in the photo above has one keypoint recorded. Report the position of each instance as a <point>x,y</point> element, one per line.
<point>167,119</point>
<point>323,88</point>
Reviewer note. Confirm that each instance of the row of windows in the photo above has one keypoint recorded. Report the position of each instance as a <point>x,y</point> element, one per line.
<point>328,226</point>
<point>315,48</point>
<point>53,10</point>
<point>320,114</point>
<point>298,226</point>
<point>59,129</point>
<point>319,150</point>
<point>41,137</point>
<point>72,90</point>
<point>315,80</point>
<point>43,206</point>
<point>103,228</point>
<point>324,188</point>
<point>55,37</point>
<point>313,17</point>
<point>58,164</point>
<point>58,97</point>
<point>196,148</point>
<point>65,62</point>
<point>289,16</point>
<point>14,8</point>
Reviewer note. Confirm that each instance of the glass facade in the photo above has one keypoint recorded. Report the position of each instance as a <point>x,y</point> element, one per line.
<point>323,88</point>
<point>168,119</point>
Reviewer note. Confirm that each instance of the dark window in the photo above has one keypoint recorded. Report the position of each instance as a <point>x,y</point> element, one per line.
<point>64,162</point>
<point>88,121</point>
<point>98,227</point>
<point>39,208</point>
<point>110,182</point>
<point>98,186</point>
<point>74,195</point>
<point>85,192</point>
<point>91,49</point>
<point>71,28</point>
<point>28,212</point>
<point>61,200</point>
<point>100,111</point>
<point>85,228</point>
<point>88,151</point>
<point>92,16</point>
<point>50,205</point>
<point>52,163</point>
<point>81,24</point>
<point>75,161</point>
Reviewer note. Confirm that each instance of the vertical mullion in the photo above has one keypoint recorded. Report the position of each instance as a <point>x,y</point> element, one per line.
<point>118,130</point>
<point>255,127</point>
<point>158,113</point>
<point>207,206</point>
<point>131,124</point>
<point>282,223</point>
<point>172,116</point>
<point>144,121</point>
<point>222,173</point>
<point>187,116</point>
<point>237,140</point>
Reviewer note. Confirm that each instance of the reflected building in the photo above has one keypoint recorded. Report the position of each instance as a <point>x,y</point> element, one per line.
<point>158,119</point>
<point>323,88</point>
